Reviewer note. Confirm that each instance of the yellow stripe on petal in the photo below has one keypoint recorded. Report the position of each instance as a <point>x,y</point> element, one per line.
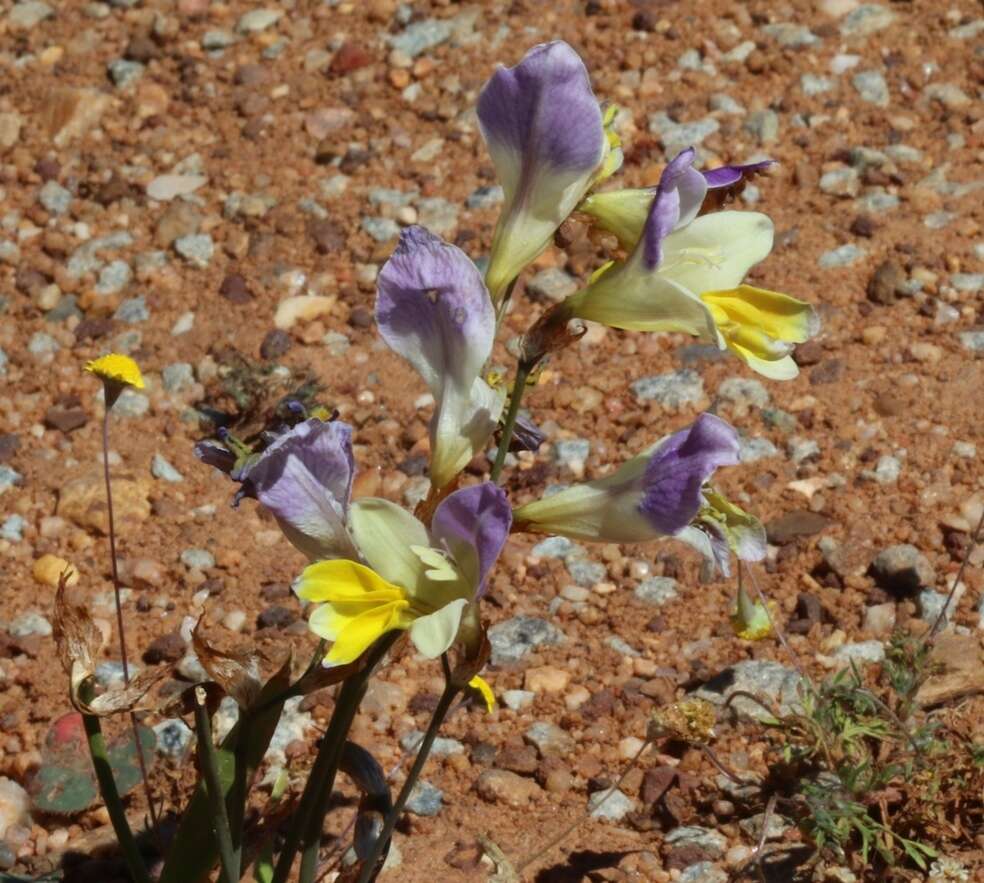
<point>360,632</point>
<point>480,684</point>
<point>778,315</point>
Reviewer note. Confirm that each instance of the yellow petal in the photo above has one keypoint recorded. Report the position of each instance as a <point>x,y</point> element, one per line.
<point>117,368</point>
<point>778,315</point>
<point>358,633</point>
<point>346,584</point>
<point>480,684</point>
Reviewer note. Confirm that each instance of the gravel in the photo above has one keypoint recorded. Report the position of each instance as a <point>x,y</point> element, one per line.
<point>512,639</point>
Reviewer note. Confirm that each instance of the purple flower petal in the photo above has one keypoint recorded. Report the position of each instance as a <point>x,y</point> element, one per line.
<point>433,309</point>
<point>527,436</point>
<point>473,523</point>
<point>725,176</point>
<point>679,467</point>
<point>216,454</point>
<point>678,199</point>
<point>304,479</point>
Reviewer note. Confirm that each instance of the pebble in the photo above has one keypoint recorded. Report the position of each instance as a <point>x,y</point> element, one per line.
<point>792,36</point>
<point>614,808</point>
<point>234,620</point>
<point>812,84</point>
<point>760,677</point>
<point>257,20</point>
<point>670,390</point>
<point>903,569</point>
<point>866,20</point>
<point>972,282</point>
<point>931,604</point>
<point>174,738</point>
<point>55,198</point>
<point>871,86</point>
<point>951,96</point>
<point>972,340</point>
<point>125,73</point>
<point>679,136</point>
<point>162,469</point>
<point>30,623</point>
<point>425,799</point>
<point>217,40</point>
<point>177,377</point>
<point>552,285</point>
<point>712,843</point>
<point>438,215</point>
<point>703,872</point>
<point>11,123</point>
<point>744,391</point>
<point>750,450</point>
<point>381,229</point>
<point>196,248</point>
<point>657,590</point>
<point>886,471</point>
<point>842,256</point>
<point>572,453</point>
<point>517,700</point>
<point>110,674</point>
<point>42,344</point>
<point>421,36</point>
<point>48,569</point>
<point>725,104</point>
<point>585,572</point>
<point>861,651</point>
<point>9,477</point>
<point>26,16</point>
<point>12,528</point>
<point>503,786</point>
<point>763,125</point>
<point>546,679</point>
<point>485,197</point>
<point>114,277</point>
<point>442,747</point>
<point>556,547</point>
<point>132,311</point>
<point>15,805</point>
<point>512,639</point>
<point>841,182</point>
<point>879,619</point>
<point>197,559</point>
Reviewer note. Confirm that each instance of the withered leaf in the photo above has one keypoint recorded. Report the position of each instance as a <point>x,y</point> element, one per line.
<point>237,672</point>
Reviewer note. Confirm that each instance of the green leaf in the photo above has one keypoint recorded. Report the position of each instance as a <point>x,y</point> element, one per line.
<point>263,868</point>
<point>194,851</point>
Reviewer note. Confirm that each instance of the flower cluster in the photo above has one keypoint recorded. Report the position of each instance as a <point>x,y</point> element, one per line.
<point>377,568</point>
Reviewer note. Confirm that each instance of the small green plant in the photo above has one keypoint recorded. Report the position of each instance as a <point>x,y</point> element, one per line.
<point>65,783</point>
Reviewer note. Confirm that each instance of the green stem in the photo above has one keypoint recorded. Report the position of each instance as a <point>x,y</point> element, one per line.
<point>111,797</point>
<point>229,856</point>
<point>307,824</point>
<point>509,426</point>
<point>444,704</point>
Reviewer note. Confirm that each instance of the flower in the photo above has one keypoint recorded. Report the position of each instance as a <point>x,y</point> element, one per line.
<point>657,493</point>
<point>303,478</point>
<point>624,212</point>
<point>721,529</point>
<point>116,372</point>
<point>548,142</point>
<point>685,274</point>
<point>751,620</point>
<point>423,581</point>
<point>481,685</point>
<point>433,309</point>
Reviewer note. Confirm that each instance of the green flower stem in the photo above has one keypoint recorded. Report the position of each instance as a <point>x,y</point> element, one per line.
<point>444,704</point>
<point>229,856</point>
<point>509,426</point>
<point>306,826</point>
<point>111,795</point>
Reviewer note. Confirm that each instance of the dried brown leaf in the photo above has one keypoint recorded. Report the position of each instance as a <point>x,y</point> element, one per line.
<point>129,698</point>
<point>237,672</point>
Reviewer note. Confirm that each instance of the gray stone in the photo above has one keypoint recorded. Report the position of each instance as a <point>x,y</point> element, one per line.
<point>9,477</point>
<point>425,799</point>
<point>55,198</point>
<point>712,843</point>
<point>866,20</point>
<point>752,449</point>
<point>841,182</point>
<point>972,282</point>
<point>12,528</point>
<point>842,256</point>
<point>703,872</point>
<point>585,572</point>
<point>217,40</point>
<point>257,20</point>
<point>861,651</point>
<point>27,15</point>
<point>775,826</point>
<point>517,700</point>
<point>30,623</point>
<point>3,362</point>
<point>174,737</point>
<point>964,449</point>
<point>160,468</point>
<point>939,220</point>
<point>110,674</point>
<point>657,590</point>
<point>114,277</point>
<point>421,36</point>
<point>177,377</point>
<point>744,391</point>
<point>513,639</point>
<point>781,420</point>
<point>904,153</point>
<point>485,197</point>
<point>438,215</point>
<point>197,559</point>
<point>85,258</point>
<point>972,340</point>
<point>791,35</point>
<point>41,344</point>
<point>725,104</point>
<point>130,403</point>
<point>968,31</point>
<point>763,125</point>
<point>556,547</point>
<point>740,52</point>
<point>613,808</point>
<point>931,604</point>
<point>877,201</point>
<point>872,87</point>
<point>951,96</point>
<point>125,73</point>
<point>571,452</point>
<point>442,747</point>
<point>801,449</point>
<point>132,310</point>
<point>812,84</point>
<point>392,197</point>
<point>621,646</point>
<point>775,684</point>
<point>690,60</point>
<point>903,569</point>
<point>337,343</point>
<point>887,470</point>
<point>196,248</point>
<point>552,284</point>
<point>670,390</point>
<point>381,229</point>
<point>679,136</point>
<point>547,738</point>
<point>293,726</point>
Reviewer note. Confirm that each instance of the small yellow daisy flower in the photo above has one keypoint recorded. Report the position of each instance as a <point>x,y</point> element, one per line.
<point>115,368</point>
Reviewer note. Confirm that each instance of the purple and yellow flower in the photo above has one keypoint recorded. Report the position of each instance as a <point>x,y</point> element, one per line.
<point>549,143</point>
<point>751,620</point>
<point>655,494</point>
<point>721,529</point>
<point>424,581</point>
<point>433,309</point>
<point>685,274</point>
